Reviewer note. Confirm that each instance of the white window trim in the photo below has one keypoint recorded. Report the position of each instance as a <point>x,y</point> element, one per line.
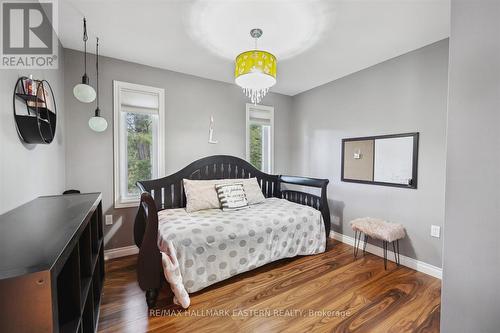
<point>120,86</point>
<point>266,108</point>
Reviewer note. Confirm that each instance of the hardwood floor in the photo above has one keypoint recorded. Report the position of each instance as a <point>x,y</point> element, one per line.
<point>291,295</point>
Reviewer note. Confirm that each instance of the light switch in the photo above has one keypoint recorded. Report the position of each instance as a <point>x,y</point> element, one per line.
<point>435,231</point>
<point>109,219</point>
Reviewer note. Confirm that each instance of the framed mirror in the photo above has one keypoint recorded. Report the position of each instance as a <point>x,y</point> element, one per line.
<point>389,160</point>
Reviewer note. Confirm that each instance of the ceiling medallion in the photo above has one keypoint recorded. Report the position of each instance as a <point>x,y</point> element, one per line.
<point>255,71</point>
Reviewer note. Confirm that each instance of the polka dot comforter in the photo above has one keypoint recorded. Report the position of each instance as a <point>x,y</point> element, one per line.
<point>208,246</point>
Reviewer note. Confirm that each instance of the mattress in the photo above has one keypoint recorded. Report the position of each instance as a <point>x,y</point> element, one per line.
<point>205,247</point>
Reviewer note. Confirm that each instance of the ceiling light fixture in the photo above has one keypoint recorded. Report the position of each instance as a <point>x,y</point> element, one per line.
<point>255,71</point>
<point>83,91</point>
<point>97,123</point>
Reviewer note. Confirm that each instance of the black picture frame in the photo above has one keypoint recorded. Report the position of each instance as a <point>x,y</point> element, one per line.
<point>414,179</point>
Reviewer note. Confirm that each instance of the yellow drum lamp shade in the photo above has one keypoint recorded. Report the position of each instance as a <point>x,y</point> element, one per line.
<point>255,72</point>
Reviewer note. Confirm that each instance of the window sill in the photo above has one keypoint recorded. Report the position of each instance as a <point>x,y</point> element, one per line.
<point>127,204</point>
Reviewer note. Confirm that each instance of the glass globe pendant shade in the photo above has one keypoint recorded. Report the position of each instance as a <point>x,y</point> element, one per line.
<point>255,73</point>
<point>84,92</point>
<point>98,124</point>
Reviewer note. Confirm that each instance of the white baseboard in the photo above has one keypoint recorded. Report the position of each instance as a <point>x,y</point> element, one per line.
<point>405,261</point>
<point>120,252</point>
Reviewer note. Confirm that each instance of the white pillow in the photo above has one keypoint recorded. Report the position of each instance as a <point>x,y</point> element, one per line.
<point>231,196</point>
<point>252,190</point>
<point>201,194</point>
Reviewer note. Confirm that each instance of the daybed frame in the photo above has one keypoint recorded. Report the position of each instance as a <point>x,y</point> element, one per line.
<point>168,192</point>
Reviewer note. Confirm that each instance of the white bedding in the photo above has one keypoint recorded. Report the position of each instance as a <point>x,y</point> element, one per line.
<point>208,246</point>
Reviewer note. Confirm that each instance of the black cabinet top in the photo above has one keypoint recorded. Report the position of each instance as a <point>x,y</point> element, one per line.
<point>35,235</point>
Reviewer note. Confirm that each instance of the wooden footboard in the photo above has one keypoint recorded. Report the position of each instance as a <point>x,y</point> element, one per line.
<point>149,267</point>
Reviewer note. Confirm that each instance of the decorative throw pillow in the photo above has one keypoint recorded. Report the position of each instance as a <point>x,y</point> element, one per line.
<point>201,194</point>
<point>252,190</point>
<point>231,196</point>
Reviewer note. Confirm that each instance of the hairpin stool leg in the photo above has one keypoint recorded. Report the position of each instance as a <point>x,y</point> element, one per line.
<point>355,249</point>
<point>385,254</point>
<point>396,252</point>
<point>397,246</point>
<point>357,241</point>
<point>364,245</point>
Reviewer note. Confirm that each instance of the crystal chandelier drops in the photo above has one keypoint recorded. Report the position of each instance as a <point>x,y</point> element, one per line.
<point>255,95</point>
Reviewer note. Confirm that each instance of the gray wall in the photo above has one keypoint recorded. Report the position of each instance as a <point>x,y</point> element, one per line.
<point>471,293</point>
<point>404,94</point>
<point>29,171</point>
<point>189,103</point>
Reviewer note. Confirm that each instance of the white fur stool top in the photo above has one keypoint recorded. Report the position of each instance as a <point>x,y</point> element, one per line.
<point>379,229</point>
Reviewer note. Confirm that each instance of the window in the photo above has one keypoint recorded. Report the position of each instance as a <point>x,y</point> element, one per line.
<point>260,137</point>
<point>138,139</point>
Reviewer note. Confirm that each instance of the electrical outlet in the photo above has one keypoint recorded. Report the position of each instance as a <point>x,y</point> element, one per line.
<point>109,219</point>
<point>435,231</point>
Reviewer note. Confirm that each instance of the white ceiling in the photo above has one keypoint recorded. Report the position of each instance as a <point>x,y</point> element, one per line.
<point>315,41</point>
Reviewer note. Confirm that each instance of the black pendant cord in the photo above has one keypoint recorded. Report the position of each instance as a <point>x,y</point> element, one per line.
<point>97,111</point>
<point>85,78</point>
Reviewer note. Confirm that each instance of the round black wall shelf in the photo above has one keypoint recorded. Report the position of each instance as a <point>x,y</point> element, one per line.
<point>37,124</point>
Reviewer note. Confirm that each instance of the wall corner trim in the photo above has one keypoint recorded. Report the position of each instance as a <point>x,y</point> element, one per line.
<point>405,261</point>
<point>120,252</point>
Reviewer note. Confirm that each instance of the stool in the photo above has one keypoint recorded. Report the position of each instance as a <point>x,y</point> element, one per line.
<point>378,229</point>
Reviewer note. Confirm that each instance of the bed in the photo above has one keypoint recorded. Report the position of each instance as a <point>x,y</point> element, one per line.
<point>187,252</point>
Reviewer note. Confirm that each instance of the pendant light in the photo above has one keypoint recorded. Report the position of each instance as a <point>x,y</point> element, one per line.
<point>97,123</point>
<point>83,91</point>
<point>255,71</point>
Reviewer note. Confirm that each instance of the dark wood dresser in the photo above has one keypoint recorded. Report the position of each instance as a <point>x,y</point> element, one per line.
<point>52,265</point>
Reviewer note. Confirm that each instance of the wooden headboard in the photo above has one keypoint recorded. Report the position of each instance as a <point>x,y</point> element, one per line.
<point>168,192</point>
